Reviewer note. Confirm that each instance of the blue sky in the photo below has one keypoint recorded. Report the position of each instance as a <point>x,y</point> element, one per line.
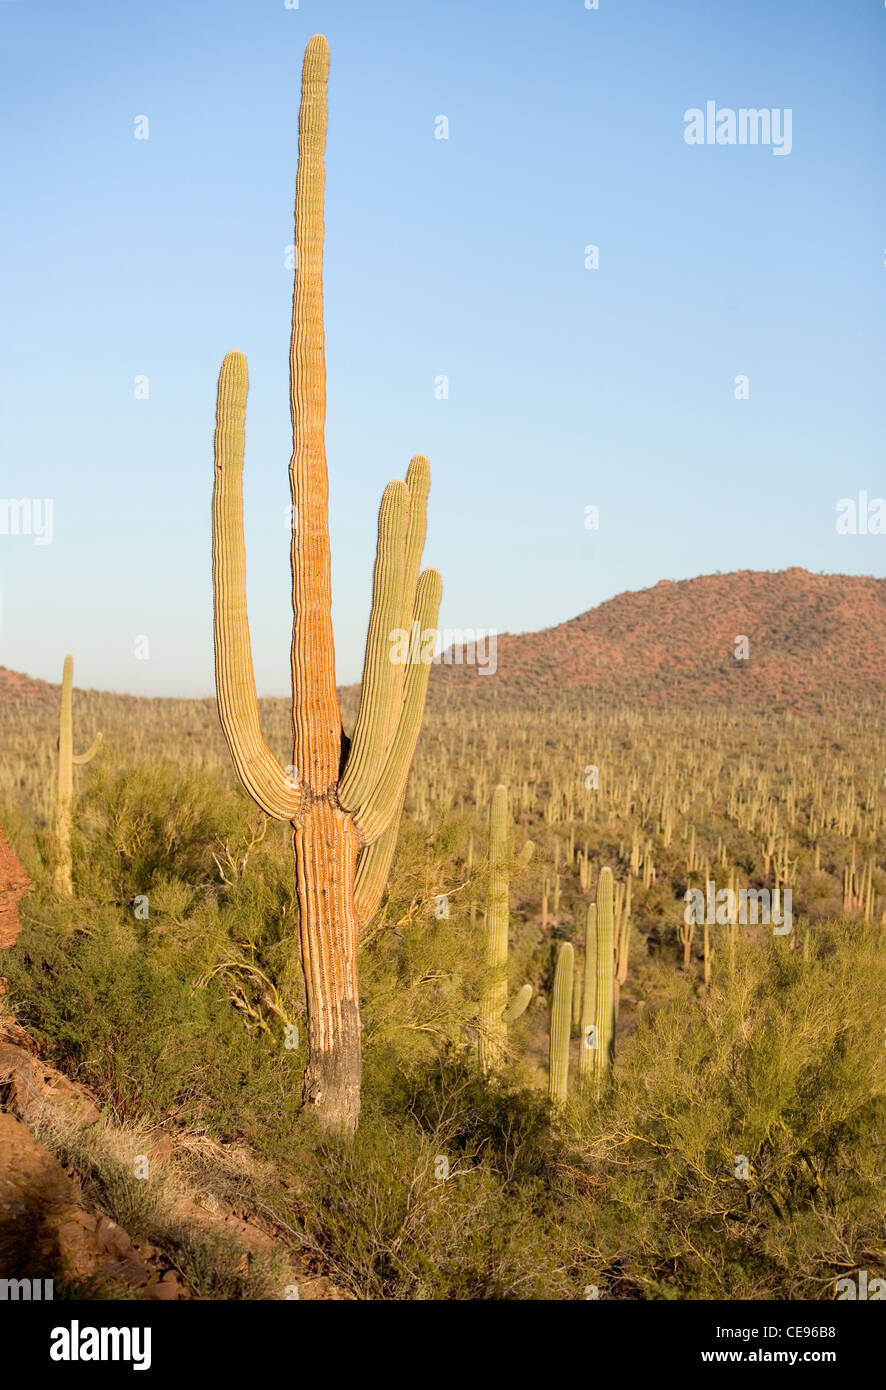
<point>462,257</point>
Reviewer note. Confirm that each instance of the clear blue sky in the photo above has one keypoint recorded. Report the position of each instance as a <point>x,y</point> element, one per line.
<point>464,257</point>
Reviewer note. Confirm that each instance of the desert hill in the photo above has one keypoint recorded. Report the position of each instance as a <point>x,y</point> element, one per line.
<point>813,641</point>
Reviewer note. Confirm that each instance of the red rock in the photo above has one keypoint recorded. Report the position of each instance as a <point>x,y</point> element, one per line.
<point>14,883</point>
<point>165,1290</point>
<point>111,1237</point>
<point>132,1272</point>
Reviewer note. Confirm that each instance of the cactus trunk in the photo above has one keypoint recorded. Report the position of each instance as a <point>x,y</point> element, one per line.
<point>326,845</point>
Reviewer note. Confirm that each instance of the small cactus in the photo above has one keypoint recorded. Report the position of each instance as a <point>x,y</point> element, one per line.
<point>67,758</point>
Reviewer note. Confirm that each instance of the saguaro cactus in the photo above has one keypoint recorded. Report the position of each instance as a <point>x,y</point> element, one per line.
<point>604,1004</point>
<point>67,758</point>
<point>561,1017</point>
<point>343,798</point>
<point>495,1014</point>
<point>587,1022</point>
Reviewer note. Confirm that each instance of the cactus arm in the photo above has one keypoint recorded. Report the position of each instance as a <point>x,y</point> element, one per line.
<point>518,1004</point>
<point>381,675</point>
<point>258,769</point>
<point>418,483</point>
<point>373,868</point>
<point>377,813</point>
<point>80,759</point>
<point>377,854</point>
<point>316,718</point>
<point>625,936</point>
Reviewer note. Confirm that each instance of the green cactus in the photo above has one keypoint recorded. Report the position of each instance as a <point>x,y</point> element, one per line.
<point>587,1030</point>
<point>67,759</point>
<point>495,1014</point>
<point>604,1002</point>
<point>561,1018</point>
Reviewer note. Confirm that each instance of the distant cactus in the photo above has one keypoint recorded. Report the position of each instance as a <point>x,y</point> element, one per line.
<point>495,1014</point>
<point>67,759</point>
<point>343,797</point>
<point>561,1017</point>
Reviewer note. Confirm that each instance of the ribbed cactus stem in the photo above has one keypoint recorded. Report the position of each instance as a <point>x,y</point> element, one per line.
<point>604,1002</point>
<point>316,719</point>
<point>561,1016</point>
<point>276,791</point>
<point>495,1013</point>
<point>587,1029</point>
<point>63,877</point>
<point>577,989</point>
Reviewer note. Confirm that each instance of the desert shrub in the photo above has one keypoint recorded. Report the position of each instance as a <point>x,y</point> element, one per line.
<point>215,1266</point>
<point>782,1065</point>
<point>389,1226</point>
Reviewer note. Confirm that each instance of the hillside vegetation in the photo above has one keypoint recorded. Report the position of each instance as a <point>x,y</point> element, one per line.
<point>737,1149</point>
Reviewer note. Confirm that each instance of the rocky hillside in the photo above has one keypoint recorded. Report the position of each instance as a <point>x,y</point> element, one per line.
<point>813,641</point>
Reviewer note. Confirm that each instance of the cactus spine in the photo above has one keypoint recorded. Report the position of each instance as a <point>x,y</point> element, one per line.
<point>604,1002</point>
<point>343,798</point>
<point>67,758</point>
<point>561,1018</point>
<point>495,1014</point>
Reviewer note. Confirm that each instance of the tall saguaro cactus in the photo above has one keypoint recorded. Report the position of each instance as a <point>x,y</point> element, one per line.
<point>343,798</point>
<point>67,759</point>
<point>495,1014</point>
